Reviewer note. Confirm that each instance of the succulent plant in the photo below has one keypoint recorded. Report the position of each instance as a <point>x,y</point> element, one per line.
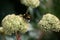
<point>49,22</point>
<point>13,23</point>
<point>31,3</point>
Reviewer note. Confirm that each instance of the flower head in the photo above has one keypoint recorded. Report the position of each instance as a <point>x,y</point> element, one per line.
<point>13,23</point>
<point>31,3</point>
<point>49,22</point>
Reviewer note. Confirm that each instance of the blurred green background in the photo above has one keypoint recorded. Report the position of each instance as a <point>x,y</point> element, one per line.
<point>14,6</point>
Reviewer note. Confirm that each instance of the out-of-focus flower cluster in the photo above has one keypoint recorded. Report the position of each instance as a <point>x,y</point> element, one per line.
<point>13,23</point>
<point>49,22</point>
<point>31,3</point>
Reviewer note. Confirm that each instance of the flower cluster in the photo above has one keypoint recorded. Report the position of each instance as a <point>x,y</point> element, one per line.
<point>49,22</point>
<point>31,3</point>
<point>13,23</point>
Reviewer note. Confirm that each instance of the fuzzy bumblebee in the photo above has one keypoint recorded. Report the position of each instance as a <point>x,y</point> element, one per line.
<point>13,23</point>
<point>31,3</point>
<point>49,22</point>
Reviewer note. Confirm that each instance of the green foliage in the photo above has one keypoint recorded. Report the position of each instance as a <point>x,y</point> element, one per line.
<point>56,7</point>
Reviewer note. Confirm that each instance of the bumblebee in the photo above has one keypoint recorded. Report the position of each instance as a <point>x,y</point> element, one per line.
<point>27,16</point>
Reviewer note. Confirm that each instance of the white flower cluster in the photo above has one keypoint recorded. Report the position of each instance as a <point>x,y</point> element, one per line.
<point>31,3</point>
<point>49,22</point>
<point>13,23</point>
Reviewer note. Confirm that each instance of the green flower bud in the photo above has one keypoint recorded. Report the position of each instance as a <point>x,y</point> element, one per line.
<point>49,22</point>
<point>31,3</point>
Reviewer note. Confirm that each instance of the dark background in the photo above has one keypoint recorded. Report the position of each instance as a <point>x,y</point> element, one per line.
<point>10,7</point>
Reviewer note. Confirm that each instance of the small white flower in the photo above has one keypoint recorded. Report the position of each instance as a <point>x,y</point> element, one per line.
<point>31,3</point>
<point>13,23</point>
<point>49,22</point>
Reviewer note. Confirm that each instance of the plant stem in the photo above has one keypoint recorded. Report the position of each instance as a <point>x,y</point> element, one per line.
<point>3,37</point>
<point>18,36</point>
<point>41,35</point>
<point>27,10</point>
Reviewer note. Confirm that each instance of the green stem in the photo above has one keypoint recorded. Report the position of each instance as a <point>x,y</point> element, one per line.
<point>3,37</point>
